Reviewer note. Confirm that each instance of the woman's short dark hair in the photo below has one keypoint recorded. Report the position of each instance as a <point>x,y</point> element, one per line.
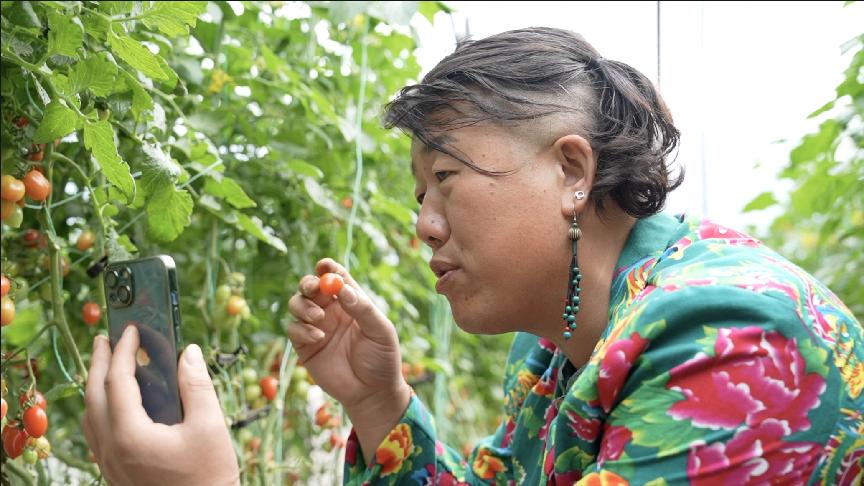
<point>526,74</point>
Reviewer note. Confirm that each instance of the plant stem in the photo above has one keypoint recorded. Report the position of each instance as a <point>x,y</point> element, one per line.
<point>28,343</point>
<point>20,472</point>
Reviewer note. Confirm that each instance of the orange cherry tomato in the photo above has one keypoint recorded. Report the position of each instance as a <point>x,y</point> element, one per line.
<point>7,310</point>
<point>11,189</point>
<point>85,240</point>
<point>331,283</point>
<point>235,305</point>
<point>38,399</point>
<point>38,187</point>
<point>4,285</point>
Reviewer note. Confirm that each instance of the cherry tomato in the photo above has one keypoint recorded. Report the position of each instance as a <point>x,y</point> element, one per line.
<point>6,208</point>
<point>15,217</point>
<point>7,310</point>
<point>30,456</point>
<point>33,239</point>
<point>38,399</point>
<point>35,421</point>
<point>223,292</point>
<point>14,440</point>
<point>235,305</point>
<point>269,387</point>
<point>347,202</point>
<point>3,408</point>
<point>11,189</point>
<point>37,186</point>
<point>331,283</point>
<point>4,285</point>
<point>21,122</point>
<point>336,440</point>
<point>37,153</point>
<point>252,393</point>
<point>249,376</point>
<point>415,243</point>
<point>42,446</point>
<point>85,240</point>
<point>91,313</point>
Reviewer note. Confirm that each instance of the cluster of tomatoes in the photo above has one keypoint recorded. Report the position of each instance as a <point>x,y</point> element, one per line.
<point>24,435</point>
<point>255,389</point>
<point>33,184</point>
<point>231,307</point>
<point>327,419</point>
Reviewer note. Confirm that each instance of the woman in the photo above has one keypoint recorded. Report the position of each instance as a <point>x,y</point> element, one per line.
<point>650,348</point>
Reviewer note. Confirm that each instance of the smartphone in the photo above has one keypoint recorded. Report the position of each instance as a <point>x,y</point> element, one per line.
<point>144,293</point>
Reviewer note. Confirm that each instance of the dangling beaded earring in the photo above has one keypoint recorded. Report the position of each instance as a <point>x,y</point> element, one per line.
<point>571,304</point>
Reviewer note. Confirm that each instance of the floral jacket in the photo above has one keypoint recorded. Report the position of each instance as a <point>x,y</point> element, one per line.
<point>722,363</point>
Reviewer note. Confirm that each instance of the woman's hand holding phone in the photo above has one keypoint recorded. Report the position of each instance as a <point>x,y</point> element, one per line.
<point>130,448</point>
<point>351,350</point>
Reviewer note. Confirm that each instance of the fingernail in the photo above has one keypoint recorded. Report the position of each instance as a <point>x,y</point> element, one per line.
<point>348,295</point>
<point>318,334</point>
<point>130,329</point>
<point>193,355</point>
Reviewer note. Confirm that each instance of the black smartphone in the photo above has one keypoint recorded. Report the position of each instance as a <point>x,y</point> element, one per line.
<point>144,293</point>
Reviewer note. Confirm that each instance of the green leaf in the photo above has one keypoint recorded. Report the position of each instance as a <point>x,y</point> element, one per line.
<point>58,121</point>
<point>229,190</point>
<point>141,100</point>
<point>65,34</point>
<point>99,138</point>
<point>169,211</point>
<point>136,55</point>
<point>428,10</point>
<point>172,18</point>
<point>96,73</point>
<point>814,145</point>
<point>762,201</point>
<point>256,228</point>
<point>304,168</point>
<point>61,390</point>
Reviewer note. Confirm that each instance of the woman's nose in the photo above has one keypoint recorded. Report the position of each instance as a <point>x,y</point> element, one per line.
<point>432,227</point>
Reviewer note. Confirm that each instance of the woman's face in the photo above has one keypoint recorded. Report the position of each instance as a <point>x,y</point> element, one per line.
<point>500,243</point>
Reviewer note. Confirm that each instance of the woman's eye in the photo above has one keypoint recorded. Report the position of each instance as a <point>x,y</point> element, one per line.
<point>442,174</point>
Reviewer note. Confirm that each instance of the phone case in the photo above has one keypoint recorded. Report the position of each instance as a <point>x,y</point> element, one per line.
<point>144,293</point>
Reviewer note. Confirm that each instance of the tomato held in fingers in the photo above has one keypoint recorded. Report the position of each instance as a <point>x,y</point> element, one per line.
<point>331,283</point>
<point>37,186</point>
<point>11,189</point>
<point>91,313</point>
<point>4,285</point>
<point>7,310</point>
<point>269,387</point>
<point>85,240</point>
<point>235,305</point>
<point>35,421</point>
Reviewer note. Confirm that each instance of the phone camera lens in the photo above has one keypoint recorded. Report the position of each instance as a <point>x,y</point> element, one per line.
<point>124,295</point>
<point>111,278</point>
<point>124,275</point>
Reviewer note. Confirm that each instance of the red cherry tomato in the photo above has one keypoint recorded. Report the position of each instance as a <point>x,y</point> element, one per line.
<point>331,283</point>
<point>37,186</point>
<point>11,189</point>
<point>38,400</point>
<point>91,313</point>
<point>4,285</point>
<point>7,310</point>
<point>269,387</point>
<point>14,440</point>
<point>34,239</point>
<point>235,305</point>
<point>21,122</point>
<point>35,421</point>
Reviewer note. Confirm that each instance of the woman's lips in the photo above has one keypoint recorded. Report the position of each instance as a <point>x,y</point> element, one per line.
<point>445,281</point>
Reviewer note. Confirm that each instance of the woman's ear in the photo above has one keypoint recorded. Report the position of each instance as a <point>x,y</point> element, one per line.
<point>578,164</point>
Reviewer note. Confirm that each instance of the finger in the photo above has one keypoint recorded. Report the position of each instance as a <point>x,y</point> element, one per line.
<point>310,288</point>
<point>302,334</point>
<point>95,401</point>
<point>373,323</point>
<point>304,309</point>
<point>124,396</point>
<point>329,265</point>
<point>200,403</point>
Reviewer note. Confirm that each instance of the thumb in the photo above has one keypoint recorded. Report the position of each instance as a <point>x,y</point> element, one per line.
<point>373,323</point>
<point>200,403</point>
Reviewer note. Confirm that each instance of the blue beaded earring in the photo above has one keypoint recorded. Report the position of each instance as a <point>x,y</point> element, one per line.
<point>571,304</point>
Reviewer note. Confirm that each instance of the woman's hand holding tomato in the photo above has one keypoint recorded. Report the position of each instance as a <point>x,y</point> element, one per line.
<point>351,350</point>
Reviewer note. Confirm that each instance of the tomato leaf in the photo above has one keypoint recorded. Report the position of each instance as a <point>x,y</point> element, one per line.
<point>96,73</point>
<point>65,34</point>
<point>169,211</point>
<point>229,190</point>
<point>762,201</point>
<point>99,138</point>
<point>172,18</point>
<point>58,121</point>
<point>256,228</point>
<point>141,100</point>
<point>61,390</point>
<point>136,55</point>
